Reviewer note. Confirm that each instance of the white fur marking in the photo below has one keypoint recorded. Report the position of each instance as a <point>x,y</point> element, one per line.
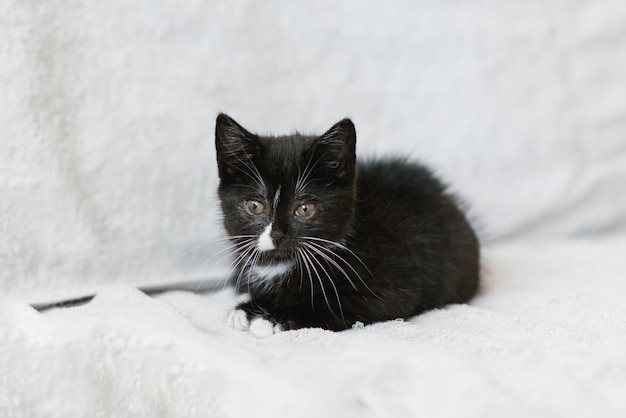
<point>277,197</point>
<point>238,320</point>
<point>265,242</point>
<point>262,328</point>
<point>271,271</point>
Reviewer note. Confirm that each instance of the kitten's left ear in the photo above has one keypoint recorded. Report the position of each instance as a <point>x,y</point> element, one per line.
<point>336,149</point>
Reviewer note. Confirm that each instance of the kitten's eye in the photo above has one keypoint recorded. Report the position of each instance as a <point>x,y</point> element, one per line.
<point>306,210</point>
<point>254,207</point>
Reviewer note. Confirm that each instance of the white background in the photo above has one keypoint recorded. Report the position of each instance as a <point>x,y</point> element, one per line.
<point>107,170</point>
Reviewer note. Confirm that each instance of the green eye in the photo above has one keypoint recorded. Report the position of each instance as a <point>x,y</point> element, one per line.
<point>306,210</point>
<point>254,207</point>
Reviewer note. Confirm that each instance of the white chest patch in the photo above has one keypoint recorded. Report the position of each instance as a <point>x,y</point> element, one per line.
<point>271,271</point>
<point>265,243</point>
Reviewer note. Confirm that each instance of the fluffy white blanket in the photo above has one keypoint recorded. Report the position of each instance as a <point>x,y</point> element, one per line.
<point>545,338</point>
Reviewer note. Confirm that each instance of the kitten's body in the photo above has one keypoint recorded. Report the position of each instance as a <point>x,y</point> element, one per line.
<point>335,242</point>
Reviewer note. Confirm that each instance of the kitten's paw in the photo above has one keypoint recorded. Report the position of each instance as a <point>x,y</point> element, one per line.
<point>238,319</point>
<point>263,328</point>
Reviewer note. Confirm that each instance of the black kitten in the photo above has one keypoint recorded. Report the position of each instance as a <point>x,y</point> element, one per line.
<point>322,241</point>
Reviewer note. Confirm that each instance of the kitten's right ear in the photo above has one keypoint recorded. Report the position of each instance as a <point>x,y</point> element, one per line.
<point>236,147</point>
<point>335,150</point>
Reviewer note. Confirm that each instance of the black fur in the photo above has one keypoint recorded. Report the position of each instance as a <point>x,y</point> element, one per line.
<point>386,240</point>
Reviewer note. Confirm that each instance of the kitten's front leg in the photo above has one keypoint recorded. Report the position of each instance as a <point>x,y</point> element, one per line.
<point>249,316</point>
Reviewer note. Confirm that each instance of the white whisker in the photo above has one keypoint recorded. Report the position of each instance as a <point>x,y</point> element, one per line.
<point>330,279</point>
<point>228,249</point>
<point>253,172</point>
<point>246,255</point>
<point>246,246</point>
<point>300,267</point>
<point>329,259</point>
<point>343,247</point>
<point>302,182</point>
<point>230,267</point>
<point>306,265</point>
<point>319,279</point>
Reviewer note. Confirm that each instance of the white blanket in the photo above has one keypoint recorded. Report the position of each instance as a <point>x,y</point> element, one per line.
<point>545,338</point>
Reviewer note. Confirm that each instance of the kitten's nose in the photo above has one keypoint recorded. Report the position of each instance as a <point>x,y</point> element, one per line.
<point>277,237</point>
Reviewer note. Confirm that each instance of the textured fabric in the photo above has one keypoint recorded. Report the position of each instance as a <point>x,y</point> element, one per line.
<point>545,338</point>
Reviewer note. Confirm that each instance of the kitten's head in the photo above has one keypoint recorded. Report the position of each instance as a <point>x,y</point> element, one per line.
<point>278,193</point>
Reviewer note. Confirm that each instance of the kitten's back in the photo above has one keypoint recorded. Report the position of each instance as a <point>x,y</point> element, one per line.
<point>403,211</point>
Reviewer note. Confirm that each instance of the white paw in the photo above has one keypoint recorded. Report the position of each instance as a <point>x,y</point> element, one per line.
<point>238,320</point>
<point>262,328</point>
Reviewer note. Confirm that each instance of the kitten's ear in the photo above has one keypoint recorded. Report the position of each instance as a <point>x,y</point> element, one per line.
<point>336,150</point>
<point>236,147</point>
